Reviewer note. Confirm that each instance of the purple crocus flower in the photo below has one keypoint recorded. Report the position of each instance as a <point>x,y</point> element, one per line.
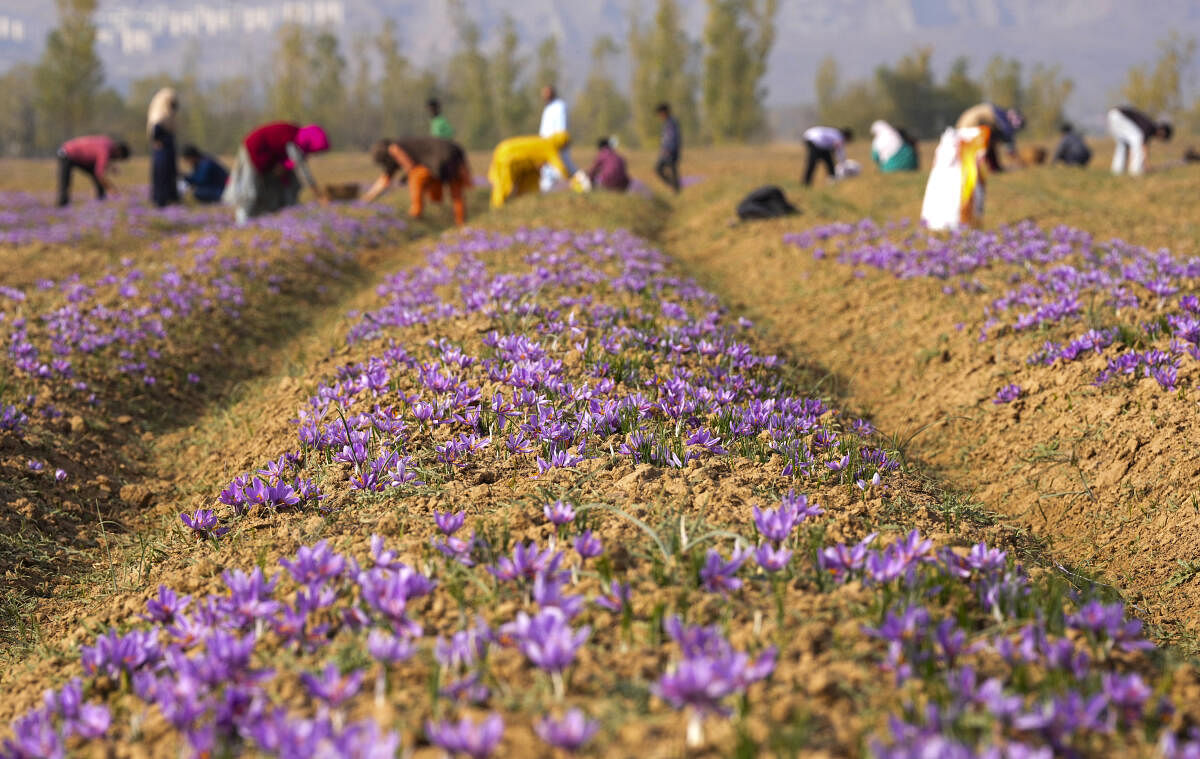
<point>587,545</point>
<point>842,560</point>
<point>710,671</point>
<point>617,598</point>
<point>772,559</point>
<point>720,576</point>
<point>777,524</point>
<point>526,562</point>
<point>164,608</point>
<point>455,548</point>
<point>1007,394</point>
<point>114,653</point>
<point>477,741</point>
<point>315,564</point>
<point>388,648</point>
<point>202,521</point>
<point>449,522</point>
<point>331,686</point>
<point>569,732</point>
<point>559,513</point>
<point>546,639</point>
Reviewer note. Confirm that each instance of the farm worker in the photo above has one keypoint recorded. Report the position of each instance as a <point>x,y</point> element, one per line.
<point>428,163</point>
<point>954,195</point>
<point>554,121</point>
<point>160,128</point>
<point>208,176</point>
<point>826,145</point>
<point>1003,125</point>
<point>609,171</point>
<point>264,174</point>
<point>1071,150</point>
<point>1132,129</point>
<point>669,147</point>
<point>439,126</point>
<point>517,164</point>
<point>890,150</point>
<point>91,155</point>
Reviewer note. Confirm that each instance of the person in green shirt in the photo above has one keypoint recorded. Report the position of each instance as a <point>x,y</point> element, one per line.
<point>439,126</point>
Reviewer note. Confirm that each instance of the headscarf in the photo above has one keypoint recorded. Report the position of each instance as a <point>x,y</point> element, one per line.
<point>312,139</point>
<point>162,110</point>
<point>886,140</point>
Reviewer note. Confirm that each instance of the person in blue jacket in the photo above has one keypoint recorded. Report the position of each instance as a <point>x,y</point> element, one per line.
<point>208,176</point>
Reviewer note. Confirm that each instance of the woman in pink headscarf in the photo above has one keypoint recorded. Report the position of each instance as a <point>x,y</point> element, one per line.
<point>264,177</point>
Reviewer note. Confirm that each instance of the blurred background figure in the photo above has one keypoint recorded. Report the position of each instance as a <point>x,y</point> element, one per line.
<point>91,155</point>
<point>160,128</point>
<point>891,150</point>
<point>207,178</point>
<point>1072,150</point>
<point>1003,125</point>
<point>554,121</point>
<point>609,171</point>
<point>669,147</point>
<point>1132,129</point>
<point>439,125</point>
<point>825,145</point>
<point>517,165</point>
<point>427,163</point>
<point>264,175</point>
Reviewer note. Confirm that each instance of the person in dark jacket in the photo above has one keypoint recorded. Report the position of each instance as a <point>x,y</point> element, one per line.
<point>667,166</point>
<point>609,171</point>
<point>160,128</point>
<point>1132,129</point>
<point>1072,150</point>
<point>208,176</point>
<point>427,163</point>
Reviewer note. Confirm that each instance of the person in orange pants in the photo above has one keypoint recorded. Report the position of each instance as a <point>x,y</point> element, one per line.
<point>427,163</point>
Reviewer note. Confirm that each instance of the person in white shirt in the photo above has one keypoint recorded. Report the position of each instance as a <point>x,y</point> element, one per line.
<point>554,120</point>
<point>825,145</point>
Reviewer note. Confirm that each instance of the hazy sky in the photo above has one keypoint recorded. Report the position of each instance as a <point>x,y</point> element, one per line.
<point>1094,41</point>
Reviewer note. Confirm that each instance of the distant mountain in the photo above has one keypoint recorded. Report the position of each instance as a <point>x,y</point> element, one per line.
<point>1095,41</point>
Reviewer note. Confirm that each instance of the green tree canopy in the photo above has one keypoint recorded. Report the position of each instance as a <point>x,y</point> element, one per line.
<point>69,77</point>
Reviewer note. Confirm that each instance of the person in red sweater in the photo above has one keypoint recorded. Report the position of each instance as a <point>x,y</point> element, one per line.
<point>264,176</point>
<point>91,155</point>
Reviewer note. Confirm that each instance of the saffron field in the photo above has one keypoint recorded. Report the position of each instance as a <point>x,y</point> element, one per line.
<point>603,476</point>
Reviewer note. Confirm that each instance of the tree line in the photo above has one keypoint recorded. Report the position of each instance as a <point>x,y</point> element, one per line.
<point>370,88</point>
<point>909,93</point>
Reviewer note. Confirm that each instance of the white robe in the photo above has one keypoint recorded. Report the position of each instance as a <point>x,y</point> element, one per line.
<point>554,120</point>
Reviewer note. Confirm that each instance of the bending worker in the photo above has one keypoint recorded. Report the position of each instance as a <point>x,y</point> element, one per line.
<point>264,178</point>
<point>427,163</point>
<point>1003,125</point>
<point>517,164</point>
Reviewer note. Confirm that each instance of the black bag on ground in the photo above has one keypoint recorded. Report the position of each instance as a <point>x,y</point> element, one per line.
<point>766,202</point>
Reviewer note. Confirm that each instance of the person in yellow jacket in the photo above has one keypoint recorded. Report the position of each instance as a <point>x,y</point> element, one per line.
<point>517,164</point>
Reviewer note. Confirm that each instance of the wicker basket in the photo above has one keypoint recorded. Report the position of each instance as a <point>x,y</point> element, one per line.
<point>348,191</point>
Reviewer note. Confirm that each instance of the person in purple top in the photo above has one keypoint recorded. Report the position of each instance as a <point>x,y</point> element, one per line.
<point>609,172</point>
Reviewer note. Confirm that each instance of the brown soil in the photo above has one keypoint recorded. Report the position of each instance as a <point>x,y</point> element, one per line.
<point>827,685</point>
<point>1100,473</point>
